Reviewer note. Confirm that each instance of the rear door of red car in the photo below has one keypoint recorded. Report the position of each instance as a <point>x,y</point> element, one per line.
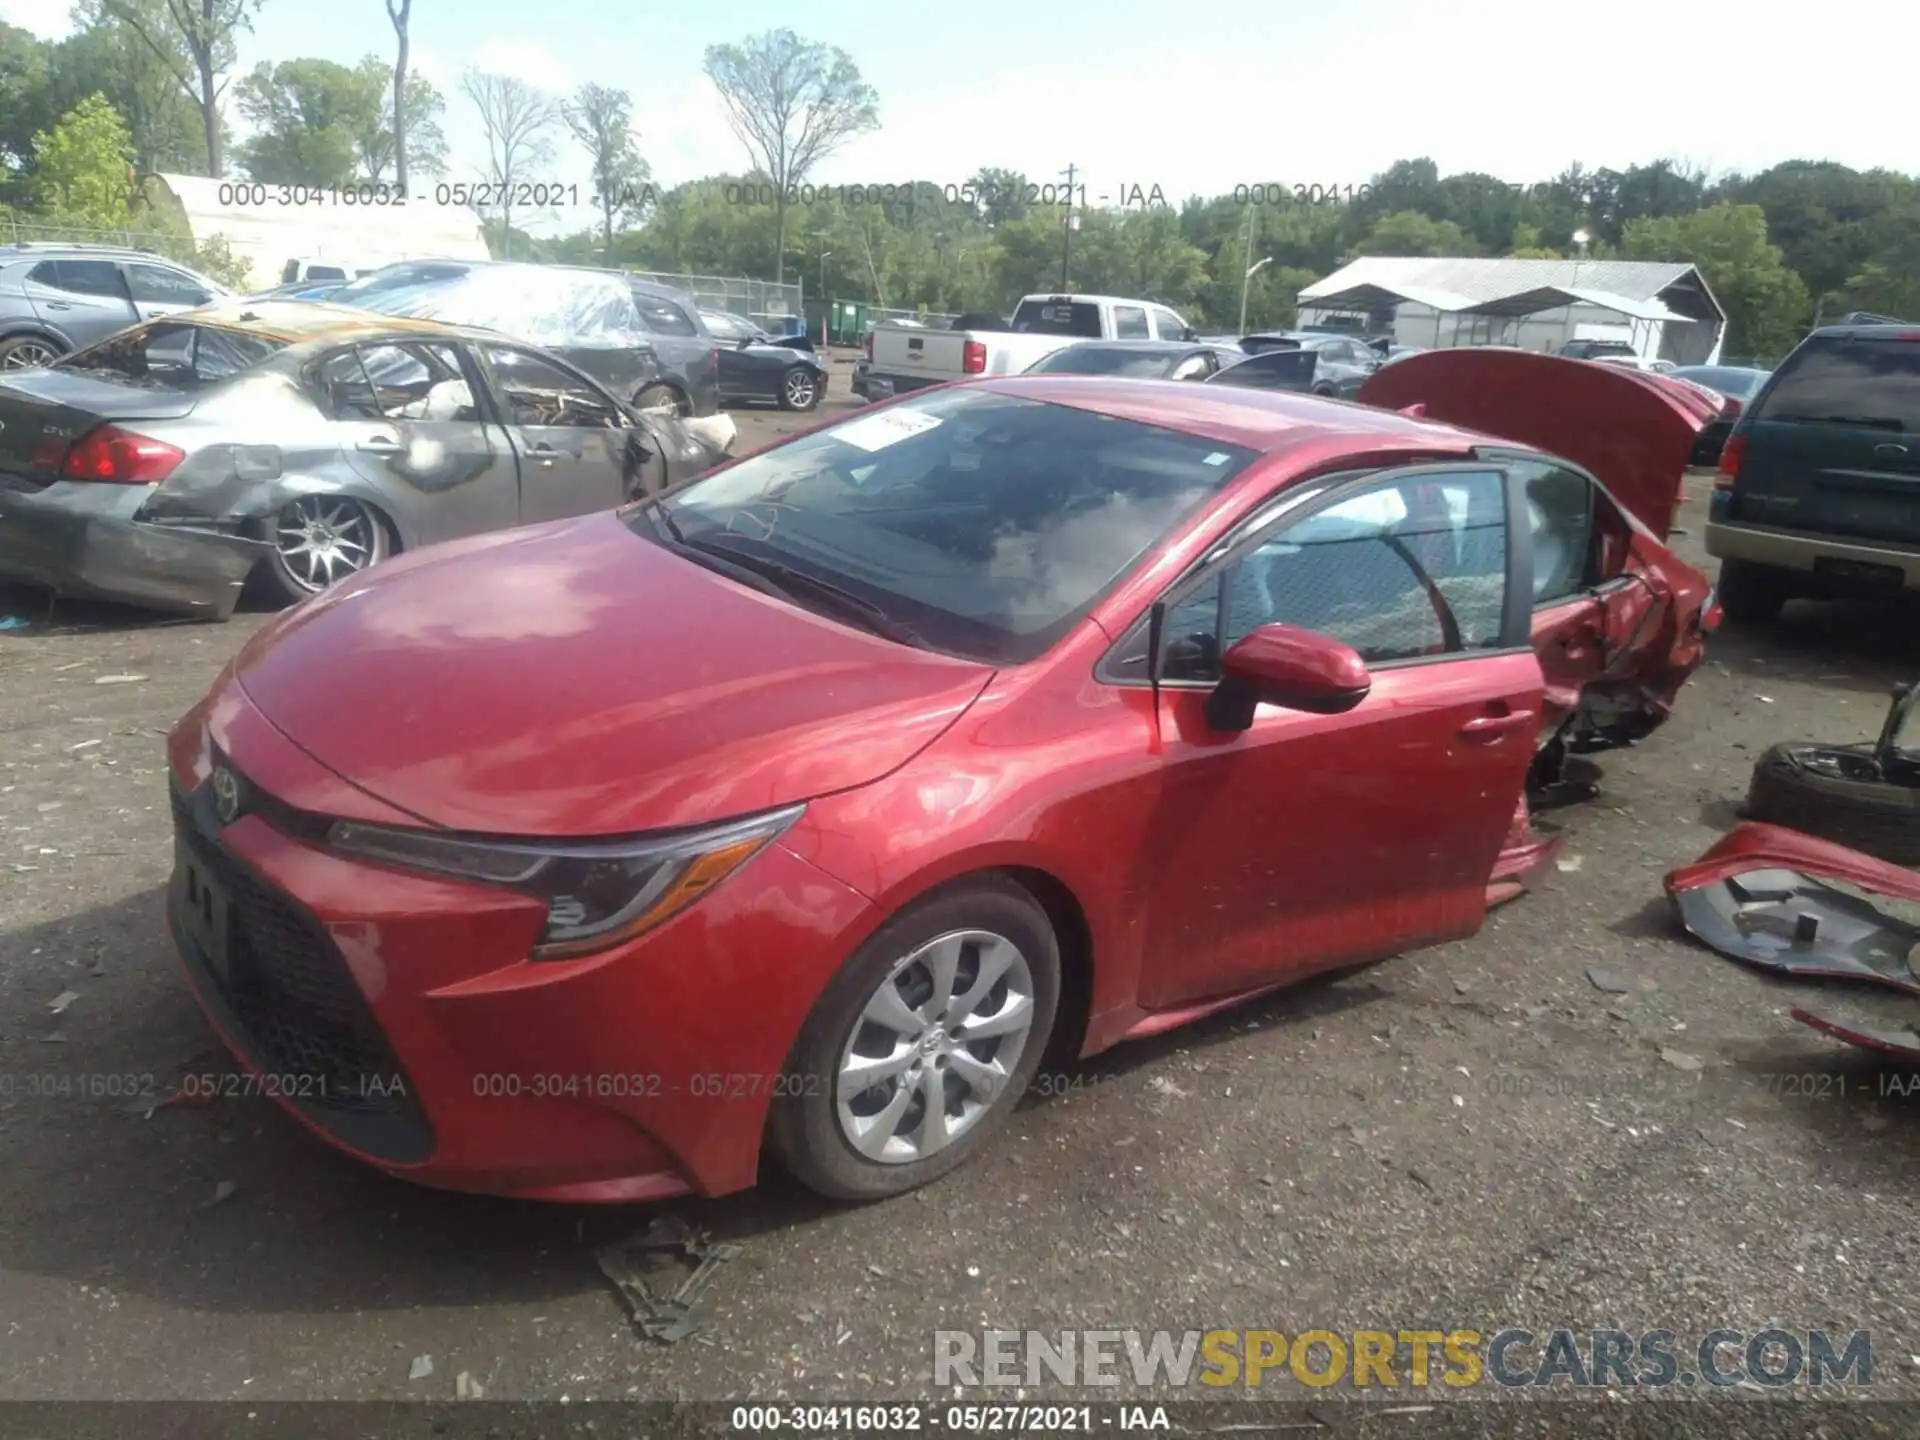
<point>1310,841</point>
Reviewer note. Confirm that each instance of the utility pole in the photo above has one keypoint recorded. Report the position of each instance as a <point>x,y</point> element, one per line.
<point>1066,230</point>
<point>1246,271</point>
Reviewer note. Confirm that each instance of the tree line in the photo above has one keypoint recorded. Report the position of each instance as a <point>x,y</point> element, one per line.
<point>148,85</point>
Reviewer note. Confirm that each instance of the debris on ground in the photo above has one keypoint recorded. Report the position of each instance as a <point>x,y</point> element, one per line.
<point>1569,864</point>
<point>465,1387</point>
<point>422,1367</point>
<point>1607,982</point>
<point>223,1191</point>
<point>14,622</point>
<point>637,1263</point>
<point>119,679</point>
<point>1681,1060</point>
<point>58,1005</point>
<point>1903,1043</point>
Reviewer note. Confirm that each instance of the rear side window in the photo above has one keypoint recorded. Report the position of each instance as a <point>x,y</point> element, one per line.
<point>1129,322</point>
<point>1058,317</point>
<point>81,277</point>
<point>1870,383</point>
<point>662,316</point>
<point>173,356</point>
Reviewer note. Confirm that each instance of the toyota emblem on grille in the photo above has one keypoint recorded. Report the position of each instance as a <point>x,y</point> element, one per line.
<point>226,794</point>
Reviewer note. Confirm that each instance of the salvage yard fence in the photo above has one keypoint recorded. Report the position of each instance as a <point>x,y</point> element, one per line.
<point>154,242</point>
<point>761,301</point>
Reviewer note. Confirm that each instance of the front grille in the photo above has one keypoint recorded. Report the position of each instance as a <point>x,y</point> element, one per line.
<point>292,1006</point>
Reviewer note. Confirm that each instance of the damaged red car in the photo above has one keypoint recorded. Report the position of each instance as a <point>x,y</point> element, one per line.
<point>800,812</point>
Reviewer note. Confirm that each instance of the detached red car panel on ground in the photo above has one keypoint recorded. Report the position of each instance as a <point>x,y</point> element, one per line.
<point>801,811</point>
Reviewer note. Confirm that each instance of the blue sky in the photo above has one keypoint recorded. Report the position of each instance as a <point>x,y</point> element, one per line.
<point>1194,98</point>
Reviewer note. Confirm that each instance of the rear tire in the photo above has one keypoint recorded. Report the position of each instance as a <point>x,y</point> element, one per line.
<point>359,540</point>
<point>663,397</point>
<point>27,352</point>
<point>1868,815</point>
<point>985,923</point>
<point>1751,594</point>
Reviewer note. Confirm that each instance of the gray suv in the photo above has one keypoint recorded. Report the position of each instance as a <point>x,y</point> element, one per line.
<point>56,297</point>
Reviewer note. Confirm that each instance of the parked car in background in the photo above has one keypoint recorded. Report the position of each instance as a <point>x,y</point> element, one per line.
<point>321,271</point>
<point>301,290</point>
<point>57,298</point>
<point>1652,365</point>
<point>1271,370</point>
<point>643,341</point>
<point>1595,349</point>
<point>1736,385</point>
<point>1135,359</point>
<point>1051,707</point>
<point>167,464</point>
<point>1395,353</point>
<point>1818,493</point>
<point>1341,363</point>
<point>911,357</point>
<point>757,366</point>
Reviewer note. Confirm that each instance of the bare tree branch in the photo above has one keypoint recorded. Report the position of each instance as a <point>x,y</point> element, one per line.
<point>517,120</point>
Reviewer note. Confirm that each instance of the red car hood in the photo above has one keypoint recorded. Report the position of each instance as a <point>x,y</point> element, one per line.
<point>575,679</point>
<point>1634,431</point>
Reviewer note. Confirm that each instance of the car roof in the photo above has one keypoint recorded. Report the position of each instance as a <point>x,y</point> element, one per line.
<point>1273,422</point>
<point>294,322</point>
<point>1888,330</point>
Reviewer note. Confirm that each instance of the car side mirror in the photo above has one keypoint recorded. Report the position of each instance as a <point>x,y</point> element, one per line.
<point>1287,666</point>
<point>745,341</point>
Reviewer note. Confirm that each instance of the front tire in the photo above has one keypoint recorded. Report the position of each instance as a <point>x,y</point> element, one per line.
<point>799,389</point>
<point>921,1046</point>
<point>1751,594</point>
<point>27,352</point>
<point>663,397</point>
<point>1836,792</point>
<point>319,540</point>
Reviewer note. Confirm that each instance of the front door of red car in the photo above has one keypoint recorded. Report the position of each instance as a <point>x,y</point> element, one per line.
<point>1312,841</point>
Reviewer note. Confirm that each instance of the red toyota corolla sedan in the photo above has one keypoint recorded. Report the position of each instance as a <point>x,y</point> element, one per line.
<point>802,810</point>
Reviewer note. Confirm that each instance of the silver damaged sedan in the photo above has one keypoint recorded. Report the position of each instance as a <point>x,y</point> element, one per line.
<point>168,464</point>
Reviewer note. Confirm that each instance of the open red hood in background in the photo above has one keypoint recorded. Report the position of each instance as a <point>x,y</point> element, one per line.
<point>1633,430</point>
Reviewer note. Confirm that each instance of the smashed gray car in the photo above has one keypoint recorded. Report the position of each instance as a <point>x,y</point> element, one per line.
<point>165,466</point>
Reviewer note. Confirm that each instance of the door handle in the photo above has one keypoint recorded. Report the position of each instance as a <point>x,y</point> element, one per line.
<point>59,305</point>
<point>546,453</point>
<point>379,444</point>
<point>1890,449</point>
<point>1485,729</point>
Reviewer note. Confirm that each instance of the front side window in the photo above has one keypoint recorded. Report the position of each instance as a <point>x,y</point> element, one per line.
<point>987,524</point>
<point>535,392</point>
<point>1560,513</point>
<point>1407,568</point>
<point>154,284</point>
<point>410,381</point>
<point>1172,327</point>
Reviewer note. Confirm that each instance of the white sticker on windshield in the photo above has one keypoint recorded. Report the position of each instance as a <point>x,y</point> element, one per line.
<point>1218,457</point>
<point>889,427</point>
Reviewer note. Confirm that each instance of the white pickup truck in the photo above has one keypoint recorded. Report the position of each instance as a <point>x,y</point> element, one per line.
<point>910,357</point>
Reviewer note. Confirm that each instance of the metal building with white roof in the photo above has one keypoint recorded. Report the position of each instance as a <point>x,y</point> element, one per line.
<point>267,232</point>
<point>1664,310</point>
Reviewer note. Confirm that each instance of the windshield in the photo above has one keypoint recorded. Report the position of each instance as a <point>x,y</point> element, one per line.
<point>1726,380</point>
<point>1096,360</point>
<point>529,302</point>
<point>1058,317</point>
<point>173,356</point>
<point>1874,384</point>
<point>985,523</point>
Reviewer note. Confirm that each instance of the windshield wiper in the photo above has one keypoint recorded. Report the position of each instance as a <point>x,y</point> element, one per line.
<point>790,580</point>
<point>663,521</point>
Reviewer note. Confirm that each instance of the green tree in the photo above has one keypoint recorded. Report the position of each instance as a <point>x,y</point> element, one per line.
<point>195,41</point>
<point>105,56</point>
<point>791,103</point>
<point>25,108</point>
<point>377,132</point>
<point>83,168</point>
<point>1764,300</point>
<point>600,118</point>
<point>1408,232</point>
<point>310,116</point>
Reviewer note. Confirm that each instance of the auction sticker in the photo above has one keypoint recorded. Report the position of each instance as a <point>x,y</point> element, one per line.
<point>889,427</point>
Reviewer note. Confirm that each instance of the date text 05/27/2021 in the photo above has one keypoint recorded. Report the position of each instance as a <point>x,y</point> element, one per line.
<point>462,194</point>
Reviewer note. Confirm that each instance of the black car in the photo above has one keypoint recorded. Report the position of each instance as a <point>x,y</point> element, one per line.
<point>1739,384</point>
<point>1135,359</point>
<point>1273,370</point>
<point>1596,349</point>
<point>757,366</point>
<point>1342,363</point>
<point>643,341</point>
<point>1818,493</point>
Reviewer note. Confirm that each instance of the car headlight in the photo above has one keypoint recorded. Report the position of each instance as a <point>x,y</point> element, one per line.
<point>598,893</point>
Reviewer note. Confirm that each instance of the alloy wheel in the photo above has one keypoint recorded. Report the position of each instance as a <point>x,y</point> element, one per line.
<point>799,388</point>
<point>28,355</point>
<point>324,538</point>
<point>935,1046</point>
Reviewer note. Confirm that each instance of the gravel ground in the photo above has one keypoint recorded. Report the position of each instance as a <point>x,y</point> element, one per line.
<point>1474,1136</point>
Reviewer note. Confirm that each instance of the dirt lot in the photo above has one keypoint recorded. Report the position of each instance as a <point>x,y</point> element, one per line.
<point>1473,1136</point>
